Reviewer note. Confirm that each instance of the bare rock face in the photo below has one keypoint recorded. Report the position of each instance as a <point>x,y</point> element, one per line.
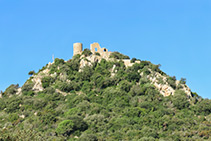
<point>87,61</point>
<point>19,91</point>
<point>37,79</point>
<point>84,63</point>
<point>37,84</point>
<point>165,89</point>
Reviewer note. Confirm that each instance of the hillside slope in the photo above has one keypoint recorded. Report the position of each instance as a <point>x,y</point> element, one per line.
<point>90,97</point>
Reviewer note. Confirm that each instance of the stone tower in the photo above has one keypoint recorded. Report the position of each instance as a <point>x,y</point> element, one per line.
<point>77,48</point>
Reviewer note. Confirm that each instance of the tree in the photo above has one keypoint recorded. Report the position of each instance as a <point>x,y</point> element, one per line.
<point>31,73</point>
<point>133,76</point>
<point>125,85</point>
<point>183,81</point>
<point>27,89</point>
<point>97,122</point>
<point>118,55</point>
<point>2,104</point>
<point>79,123</point>
<point>149,132</point>
<point>180,99</point>
<point>58,61</point>
<point>64,86</point>
<point>204,107</point>
<point>86,73</point>
<point>172,82</point>
<point>88,137</point>
<point>74,64</point>
<point>12,117</point>
<point>13,104</point>
<point>12,89</point>
<point>136,90</point>
<point>73,124</point>
<point>65,127</point>
<point>133,60</point>
<point>46,81</point>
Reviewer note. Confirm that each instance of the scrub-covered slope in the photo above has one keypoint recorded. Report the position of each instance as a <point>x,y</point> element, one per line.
<point>92,98</point>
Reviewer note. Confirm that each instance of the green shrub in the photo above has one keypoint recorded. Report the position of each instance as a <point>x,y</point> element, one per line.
<point>12,89</point>
<point>96,53</point>
<point>204,107</point>
<point>87,86</point>
<point>125,85</point>
<point>133,76</point>
<point>27,87</point>
<point>65,127</point>
<point>136,90</point>
<point>13,104</point>
<point>64,86</point>
<point>73,124</point>
<point>118,55</point>
<point>134,112</point>
<point>74,64</point>
<point>96,122</point>
<point>31,73</point>
<point>47,81</point>
<point>155,68</point>
<point>72,112</point>
<point>49,90</point>
<point>79,123</point>
<point>13,117</point>
<point>172,81</point>
<point>86,73</point>
<point>146,71</point>
<point>180,99</point>
<point>144,63</point>
<point>149,132</point>
<point>133,60</point>
<point>2,104</point>
<point>58,62</point>
<point>47,117</point>
<point>88,137</point>
<point>87,52</point>
<point>39,104</point>
<point>183,81</point>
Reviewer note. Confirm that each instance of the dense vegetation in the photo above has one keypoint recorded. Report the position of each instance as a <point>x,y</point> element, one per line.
<point>91,105</point>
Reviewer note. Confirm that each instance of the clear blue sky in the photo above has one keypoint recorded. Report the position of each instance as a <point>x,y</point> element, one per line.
<point>173,33</point>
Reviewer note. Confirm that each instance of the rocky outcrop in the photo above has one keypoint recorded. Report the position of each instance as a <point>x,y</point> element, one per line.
<point>37,83</point>
<point>87,61</point>
<point>37,79</point>
<point>164,88</point>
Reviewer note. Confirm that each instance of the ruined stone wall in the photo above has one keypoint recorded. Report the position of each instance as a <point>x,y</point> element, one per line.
<point>95,48</point>
<point>77,48</point>
<point>128,63</point>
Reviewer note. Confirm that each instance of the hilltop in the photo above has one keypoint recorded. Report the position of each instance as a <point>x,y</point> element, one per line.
<point>102,95</point>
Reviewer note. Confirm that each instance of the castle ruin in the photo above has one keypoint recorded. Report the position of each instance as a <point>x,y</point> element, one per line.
<point>95,48</point>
